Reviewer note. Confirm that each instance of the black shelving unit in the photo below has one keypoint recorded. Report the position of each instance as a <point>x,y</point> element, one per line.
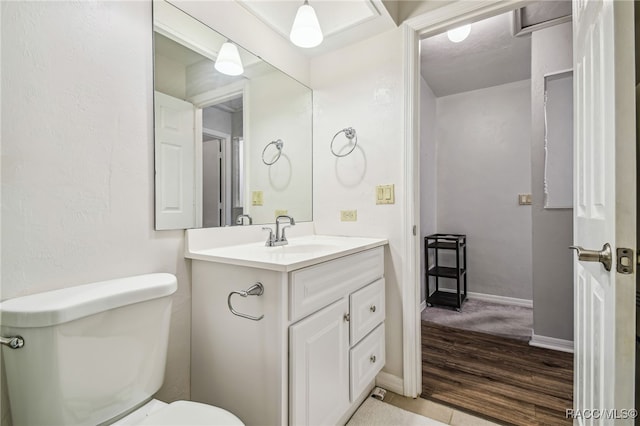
<point>450,242</point>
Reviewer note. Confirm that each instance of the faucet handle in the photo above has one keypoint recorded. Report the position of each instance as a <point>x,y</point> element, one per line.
<point>270,239</point>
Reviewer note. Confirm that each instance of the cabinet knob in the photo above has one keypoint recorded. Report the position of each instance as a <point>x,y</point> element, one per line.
<point>373,358</point>
<point>347,317</point>
<point>372,308</point>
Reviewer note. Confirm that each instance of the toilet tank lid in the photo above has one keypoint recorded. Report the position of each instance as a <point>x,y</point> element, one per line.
<point>67,304</point>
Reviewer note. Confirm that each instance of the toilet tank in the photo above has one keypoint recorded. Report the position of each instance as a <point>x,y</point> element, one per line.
<point>91,352</point>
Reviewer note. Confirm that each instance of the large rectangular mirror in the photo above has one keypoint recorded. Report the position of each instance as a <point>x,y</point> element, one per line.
<point>229,149</point>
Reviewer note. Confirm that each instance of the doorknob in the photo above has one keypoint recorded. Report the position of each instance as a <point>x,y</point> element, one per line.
<point>603,256</point>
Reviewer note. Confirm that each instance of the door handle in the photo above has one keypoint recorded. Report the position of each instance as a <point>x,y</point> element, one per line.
<point>603,256</point>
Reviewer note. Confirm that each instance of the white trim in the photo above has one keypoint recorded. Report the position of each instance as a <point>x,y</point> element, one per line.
<point>431,23</point>
<point>390,382</point>
<point>423,305</point>
<point>219,95</point>
<point>411,350</point>
<point>504,300</point>
<point>551,343</point>
<point>501,299</point>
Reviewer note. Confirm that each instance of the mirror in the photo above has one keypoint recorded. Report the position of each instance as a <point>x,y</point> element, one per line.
<point>229,150</point>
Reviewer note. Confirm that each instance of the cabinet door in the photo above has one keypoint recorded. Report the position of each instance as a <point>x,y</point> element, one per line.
<point>319,366</point>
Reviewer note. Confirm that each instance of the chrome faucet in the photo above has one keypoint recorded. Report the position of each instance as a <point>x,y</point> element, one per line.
<point>279,238</point>
<point>240,219</point>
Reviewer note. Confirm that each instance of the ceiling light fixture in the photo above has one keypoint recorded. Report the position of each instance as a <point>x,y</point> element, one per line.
<point>306,31</point>
<point>456,35</point>
<point>228,61</point>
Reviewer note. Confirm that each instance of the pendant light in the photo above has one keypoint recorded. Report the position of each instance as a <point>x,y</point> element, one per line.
<point>306,31</point>
<point>228,61</point>
<point>456,35</point>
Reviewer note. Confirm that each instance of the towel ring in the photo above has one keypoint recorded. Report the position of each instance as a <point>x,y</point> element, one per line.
<point>278,143</point>
<point>350,133</point>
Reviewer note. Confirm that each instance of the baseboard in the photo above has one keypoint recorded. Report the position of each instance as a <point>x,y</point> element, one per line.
<point>390,382</point>
<point>501,299</point>
<point>495,299</point>
<point>551,343</point>
<point>423,305</point>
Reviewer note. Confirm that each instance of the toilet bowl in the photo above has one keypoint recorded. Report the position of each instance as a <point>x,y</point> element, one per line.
<point>183,413</point>
<point>95,354</point>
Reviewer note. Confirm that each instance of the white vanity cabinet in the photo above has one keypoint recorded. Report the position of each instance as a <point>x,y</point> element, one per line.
<point>327,348</point>
<point>312,358</point>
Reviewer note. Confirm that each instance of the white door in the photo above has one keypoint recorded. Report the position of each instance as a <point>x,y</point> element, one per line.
<point>174,162</point>
<point>604,208</point>
<point>319,367</point>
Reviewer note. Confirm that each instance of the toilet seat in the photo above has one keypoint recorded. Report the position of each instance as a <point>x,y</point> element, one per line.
<point>188,413</point>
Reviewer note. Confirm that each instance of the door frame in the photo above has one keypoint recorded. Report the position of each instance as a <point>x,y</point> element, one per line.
<point>225,148</point>
<point>414,29</point>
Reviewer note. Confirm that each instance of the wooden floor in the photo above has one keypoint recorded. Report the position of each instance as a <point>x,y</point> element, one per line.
<point>496,377</point>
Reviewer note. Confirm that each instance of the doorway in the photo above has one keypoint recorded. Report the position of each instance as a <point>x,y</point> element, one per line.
<point>485,178</point>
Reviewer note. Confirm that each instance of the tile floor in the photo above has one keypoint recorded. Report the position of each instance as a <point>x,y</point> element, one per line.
<point>436,411</point>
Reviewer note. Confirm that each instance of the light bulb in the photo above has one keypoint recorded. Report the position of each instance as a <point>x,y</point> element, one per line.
<point>306,31</point>
<point>228,61</point>
<point>456,35</point>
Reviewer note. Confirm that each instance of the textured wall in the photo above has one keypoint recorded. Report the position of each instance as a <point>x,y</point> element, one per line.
<point>77,157</point>
<point>428,173</point>
<point>361,86</point>
<point>551,50</point>
<point>484,162</point>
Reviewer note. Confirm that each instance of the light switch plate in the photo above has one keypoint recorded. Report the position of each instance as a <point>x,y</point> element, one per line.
<point>281,213</point>
<point>524,199</point>
<point>348,215</point>
<point>385,194</point>
<point>256,198</point>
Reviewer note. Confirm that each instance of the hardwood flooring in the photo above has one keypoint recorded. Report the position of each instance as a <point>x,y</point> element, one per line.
<point>496,377</point>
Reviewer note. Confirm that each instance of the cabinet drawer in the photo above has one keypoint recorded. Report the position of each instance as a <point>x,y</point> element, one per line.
<point>367,310</point>
<point>317,286</point>
<point>366,361</point>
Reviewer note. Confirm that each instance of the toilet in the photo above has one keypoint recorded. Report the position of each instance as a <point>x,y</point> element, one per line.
<point>95,354</point>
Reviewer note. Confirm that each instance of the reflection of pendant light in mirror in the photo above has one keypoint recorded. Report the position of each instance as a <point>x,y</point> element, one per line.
<point>306,31</point>
<point>228,61</point>
<point>456,35</point>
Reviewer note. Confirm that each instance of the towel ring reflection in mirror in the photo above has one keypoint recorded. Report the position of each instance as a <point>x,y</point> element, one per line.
<point>350,133</point>
<point>278,144</point>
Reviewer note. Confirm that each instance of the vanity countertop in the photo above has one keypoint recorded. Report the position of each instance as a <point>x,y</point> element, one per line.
<point>299,253</point>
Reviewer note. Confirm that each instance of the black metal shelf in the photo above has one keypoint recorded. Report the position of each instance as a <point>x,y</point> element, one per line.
<point>445,298</point>
<point>446,272</point>
<point>450,242</point>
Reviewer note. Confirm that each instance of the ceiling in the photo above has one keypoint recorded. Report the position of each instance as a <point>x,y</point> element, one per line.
<point>342,22</point>
<point>490,56</point>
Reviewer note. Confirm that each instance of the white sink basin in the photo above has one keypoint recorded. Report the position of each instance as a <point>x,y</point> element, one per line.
<point>299,253</point>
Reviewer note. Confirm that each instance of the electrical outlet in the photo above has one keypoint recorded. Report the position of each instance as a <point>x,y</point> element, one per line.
<point>281,212</point>
<point>348,215</point>
<point>256,198</point>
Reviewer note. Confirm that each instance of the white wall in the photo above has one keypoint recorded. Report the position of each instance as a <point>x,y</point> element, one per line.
<point>484,162</point>
<point>551,50</point>
<point>278,108</point>
<point>170,77</point>
<point>77,157</point>
<point>361,86</point>
<point>428,173</point>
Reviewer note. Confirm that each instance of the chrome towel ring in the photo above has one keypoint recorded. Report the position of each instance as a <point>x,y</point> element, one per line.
<point>255,290</point>
<point>278,143</point>
<point>350,133</point>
